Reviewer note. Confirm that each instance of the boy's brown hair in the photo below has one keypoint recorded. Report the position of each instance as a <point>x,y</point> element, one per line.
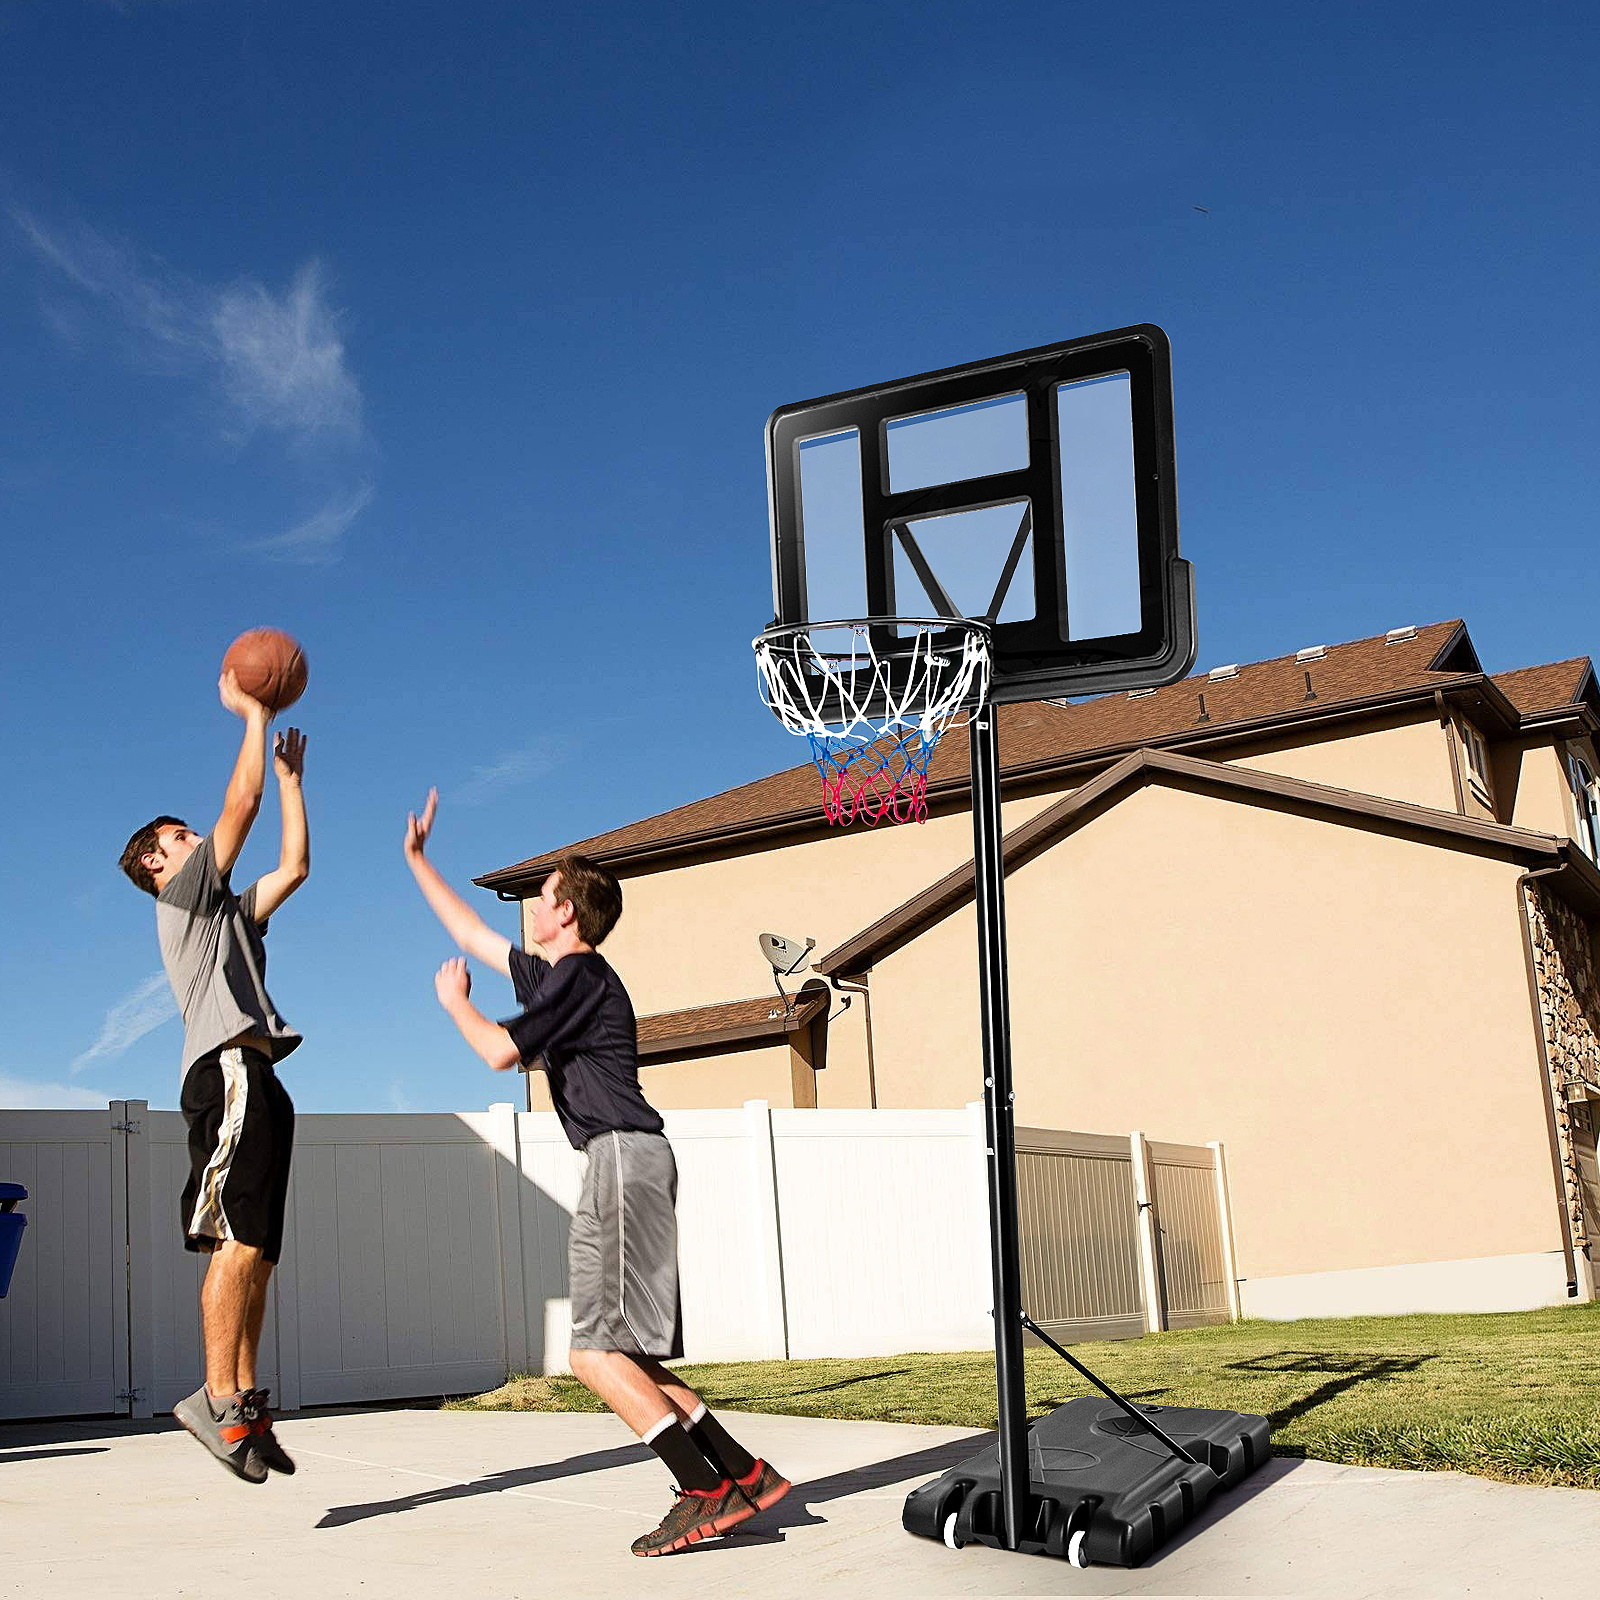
<point>146,842</point>
<point>595,894</point>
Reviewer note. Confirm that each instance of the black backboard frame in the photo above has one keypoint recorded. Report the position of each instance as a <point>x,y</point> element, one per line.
<point>1032,660</point>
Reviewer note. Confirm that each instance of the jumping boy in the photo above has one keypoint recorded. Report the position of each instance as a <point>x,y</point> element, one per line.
<point>240,1118</point>
<point>623,1244</point>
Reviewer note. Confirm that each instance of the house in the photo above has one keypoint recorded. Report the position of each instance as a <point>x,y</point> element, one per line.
<point>1337,910</point>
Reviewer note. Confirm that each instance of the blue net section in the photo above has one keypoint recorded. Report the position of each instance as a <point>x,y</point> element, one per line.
<point>885,781</point>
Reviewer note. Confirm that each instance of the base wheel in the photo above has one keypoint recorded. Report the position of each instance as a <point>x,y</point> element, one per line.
<point>1075,1550</point>
<point>950,1532</point>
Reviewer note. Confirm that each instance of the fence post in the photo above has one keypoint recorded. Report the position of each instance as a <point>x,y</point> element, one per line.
<point>978,1205</point>
<point>1144,1196</point>
<point>1230,1265</point>
<point>769,1225</point>
<point>503,1140</point>
<point>132,1119</point>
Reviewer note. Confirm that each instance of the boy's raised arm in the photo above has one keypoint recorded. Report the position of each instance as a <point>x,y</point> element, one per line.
<point>294,855</point>
<point>470,932</point>
<point>243,797</point>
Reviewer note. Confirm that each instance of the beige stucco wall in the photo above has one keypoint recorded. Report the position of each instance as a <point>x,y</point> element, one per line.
<point>1544,800</point>
<point>688,934</point>
<point>771,1073</point>
<point>1347,1012</point>
<point>1400,761</point>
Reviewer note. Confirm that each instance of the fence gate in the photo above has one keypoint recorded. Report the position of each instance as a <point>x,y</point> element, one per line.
<point>64,1331</point>
<point>1121,1236</point>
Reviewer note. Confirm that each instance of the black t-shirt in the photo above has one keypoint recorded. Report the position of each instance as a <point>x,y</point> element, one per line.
<point>577,1015</point>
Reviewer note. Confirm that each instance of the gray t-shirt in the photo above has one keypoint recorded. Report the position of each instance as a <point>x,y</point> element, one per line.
<point>216,961</point>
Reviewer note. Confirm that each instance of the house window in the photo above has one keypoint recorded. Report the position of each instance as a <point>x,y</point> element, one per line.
<point>1477,759</point>
<point>1586,801</point>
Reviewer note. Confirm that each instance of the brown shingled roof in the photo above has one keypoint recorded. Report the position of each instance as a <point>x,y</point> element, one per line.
<point>732,1022</point>
<point>1554,686</point>
<point>1037,737</point>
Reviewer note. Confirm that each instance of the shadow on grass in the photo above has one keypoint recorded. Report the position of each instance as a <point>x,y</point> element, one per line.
<point>1343,1373</point>
<point>819,1388</point>
<point>495,1483</point>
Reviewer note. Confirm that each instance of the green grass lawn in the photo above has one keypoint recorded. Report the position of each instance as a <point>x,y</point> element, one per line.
<point>1514,1396</point>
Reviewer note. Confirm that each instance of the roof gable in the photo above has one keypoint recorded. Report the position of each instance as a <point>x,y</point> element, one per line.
<point>1221,779</point>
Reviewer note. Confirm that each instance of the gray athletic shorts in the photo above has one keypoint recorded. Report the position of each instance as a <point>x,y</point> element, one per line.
<point>622,1253</point>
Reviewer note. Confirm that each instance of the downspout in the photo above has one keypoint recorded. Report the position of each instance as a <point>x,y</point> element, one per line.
<point>866,1023</point>
<point>1568,1249</point>
<point>1453,744</point>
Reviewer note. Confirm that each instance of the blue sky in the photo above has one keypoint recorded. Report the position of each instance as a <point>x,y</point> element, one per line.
<point>445,338</point>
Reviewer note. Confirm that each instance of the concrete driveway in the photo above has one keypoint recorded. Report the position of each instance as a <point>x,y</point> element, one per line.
<point>482,1505</point>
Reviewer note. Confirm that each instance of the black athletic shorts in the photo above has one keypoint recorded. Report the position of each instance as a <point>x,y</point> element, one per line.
<point>241,1136</point>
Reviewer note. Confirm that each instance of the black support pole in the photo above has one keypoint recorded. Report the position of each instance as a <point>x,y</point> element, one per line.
<point>994,1000</point>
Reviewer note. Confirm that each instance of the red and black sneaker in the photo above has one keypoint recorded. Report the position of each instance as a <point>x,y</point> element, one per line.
<point>263,1440</point>
<point>763,1486</point>
<point>695,1515</point>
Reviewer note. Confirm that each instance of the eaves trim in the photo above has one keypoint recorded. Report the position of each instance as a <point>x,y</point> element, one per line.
<point>514,882</point>
<point>769,1030</point>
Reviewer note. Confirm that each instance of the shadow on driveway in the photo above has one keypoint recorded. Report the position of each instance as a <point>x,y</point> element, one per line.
<point>513,1478</point>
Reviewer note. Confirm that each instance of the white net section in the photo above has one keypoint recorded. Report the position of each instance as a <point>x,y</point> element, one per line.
<point>873,718</point>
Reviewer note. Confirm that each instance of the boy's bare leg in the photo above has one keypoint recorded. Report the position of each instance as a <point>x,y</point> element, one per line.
<point>677,1393</point>
<point>254,1318</point>
<point>224,1304</point>
<point>627,1387</point>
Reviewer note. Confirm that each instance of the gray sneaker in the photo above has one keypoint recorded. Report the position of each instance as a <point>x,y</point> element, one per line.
<point>224,1430</point>
<point>255,1405</point>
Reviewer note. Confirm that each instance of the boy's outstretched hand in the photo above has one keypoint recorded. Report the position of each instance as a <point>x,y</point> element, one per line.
<point>417,832</point>
<point>289,755</point>
<point>452,982</point>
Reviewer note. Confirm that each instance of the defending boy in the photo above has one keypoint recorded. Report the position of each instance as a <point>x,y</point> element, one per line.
<point>240,1118</point>
<point>623,1244</point>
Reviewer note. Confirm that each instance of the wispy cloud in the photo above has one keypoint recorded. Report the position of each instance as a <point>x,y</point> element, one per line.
<point>282,359</point>
<point>512,769</point>
<point>130,1019</point>
<point>319,540</point>
<point>278,358</point>
<point>24,1094</point>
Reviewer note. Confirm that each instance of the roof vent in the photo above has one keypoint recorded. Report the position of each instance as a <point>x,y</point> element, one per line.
<point>1313,652</point>
<point>1139,694</point>
<point>1217,674</point>
<point>1400,635</point>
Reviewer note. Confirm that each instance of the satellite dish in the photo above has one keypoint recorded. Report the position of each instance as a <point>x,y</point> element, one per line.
<point>786,955</point>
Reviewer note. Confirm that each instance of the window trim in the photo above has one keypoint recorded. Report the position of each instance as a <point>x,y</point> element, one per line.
<point>1476,749</point>
<point>1586,805</point>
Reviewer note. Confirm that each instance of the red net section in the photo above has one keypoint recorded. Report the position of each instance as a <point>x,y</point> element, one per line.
<point>886,781</point>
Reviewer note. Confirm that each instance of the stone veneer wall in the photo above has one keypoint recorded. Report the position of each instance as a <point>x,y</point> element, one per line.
<point>1569,1009</point>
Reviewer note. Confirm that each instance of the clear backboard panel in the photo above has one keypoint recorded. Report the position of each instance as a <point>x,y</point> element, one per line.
<point>1035,492</point>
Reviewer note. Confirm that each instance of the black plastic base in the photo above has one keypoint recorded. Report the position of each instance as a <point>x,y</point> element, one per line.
<point>1094,1471</point>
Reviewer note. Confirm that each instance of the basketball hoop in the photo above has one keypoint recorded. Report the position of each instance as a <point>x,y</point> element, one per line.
<point>874,713</point>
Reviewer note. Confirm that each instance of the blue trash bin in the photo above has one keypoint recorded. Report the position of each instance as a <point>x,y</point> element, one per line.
<point>12,1222</point>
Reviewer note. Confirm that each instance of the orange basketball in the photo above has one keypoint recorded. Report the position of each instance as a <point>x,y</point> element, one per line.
<point>270,667</point>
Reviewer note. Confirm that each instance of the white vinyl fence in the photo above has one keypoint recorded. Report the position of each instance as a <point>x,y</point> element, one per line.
<point>426,1254</point>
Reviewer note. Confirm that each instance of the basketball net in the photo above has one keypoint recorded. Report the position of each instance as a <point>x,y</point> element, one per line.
<point>873,719</point>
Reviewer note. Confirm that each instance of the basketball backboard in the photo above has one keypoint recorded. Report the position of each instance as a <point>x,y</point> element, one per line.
<point>1034,492</point>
